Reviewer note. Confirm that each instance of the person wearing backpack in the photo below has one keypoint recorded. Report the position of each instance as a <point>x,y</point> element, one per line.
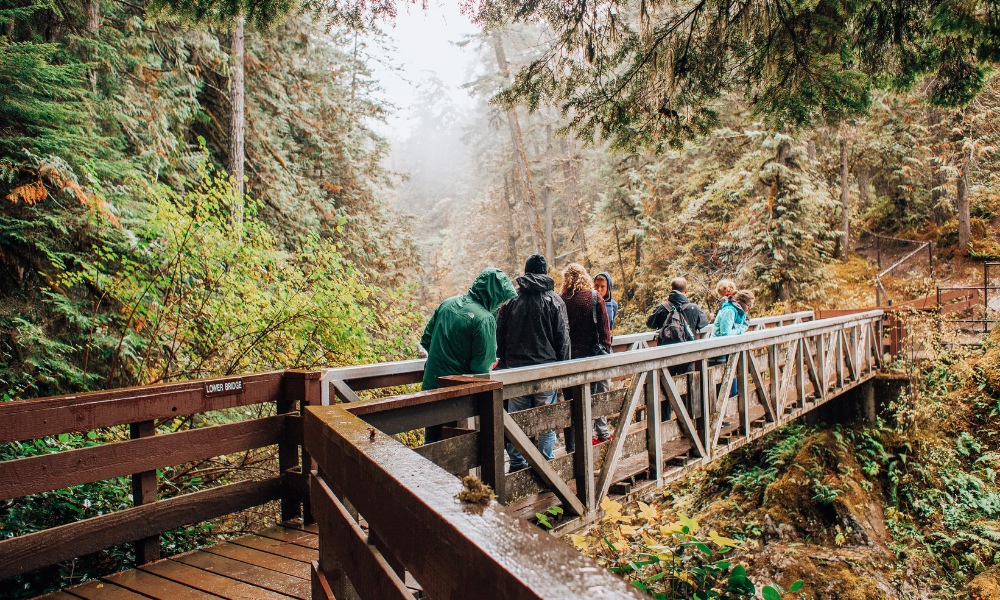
<point>589,334</point>
<point>532,329</point>
<point>677,320</point>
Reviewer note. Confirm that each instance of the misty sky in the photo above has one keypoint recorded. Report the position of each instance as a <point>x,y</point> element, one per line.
<point>423,41</point>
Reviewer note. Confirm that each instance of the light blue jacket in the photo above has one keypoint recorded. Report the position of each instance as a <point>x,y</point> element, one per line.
<point>730,320</point>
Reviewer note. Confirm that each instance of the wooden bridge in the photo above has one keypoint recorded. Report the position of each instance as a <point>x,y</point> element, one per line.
<point>363,515</point>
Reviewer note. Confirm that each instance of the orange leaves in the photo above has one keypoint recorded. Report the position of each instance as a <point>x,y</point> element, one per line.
<point>331,187</point>
<point>28,193</point>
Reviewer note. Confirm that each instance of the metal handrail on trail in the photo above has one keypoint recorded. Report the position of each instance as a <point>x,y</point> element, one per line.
<point>880,290</point>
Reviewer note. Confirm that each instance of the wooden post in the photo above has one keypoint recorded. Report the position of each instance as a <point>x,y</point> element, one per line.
<point>329,566</point>
<point>821,365</point>
<point>653,445</point>
<point>772,366</point>
<point>744,405</point>
<point>302,388</point>
<point>800,372</point>
<point>868,403</point>
<point>491,439</point>
<point>840,357</point>
<point>147,550</point>
<point>583,456</point>
<point>705,397</point>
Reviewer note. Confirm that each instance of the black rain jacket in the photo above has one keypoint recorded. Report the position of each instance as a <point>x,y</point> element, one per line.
<point>533,328</point>
<point>696,318</point>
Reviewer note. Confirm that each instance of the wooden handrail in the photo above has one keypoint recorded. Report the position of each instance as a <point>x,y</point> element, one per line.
<point>34,419</point>
<point>344,382</point>
<point>538,378</point>
<point>453,549</point>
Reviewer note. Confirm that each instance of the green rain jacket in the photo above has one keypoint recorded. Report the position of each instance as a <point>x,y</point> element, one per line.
<point>461,337</point>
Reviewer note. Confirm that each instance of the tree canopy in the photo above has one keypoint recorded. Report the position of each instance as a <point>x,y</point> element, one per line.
<point>654,73</point>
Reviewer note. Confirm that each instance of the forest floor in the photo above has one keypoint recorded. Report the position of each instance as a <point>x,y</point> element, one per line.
<point>905,510</point>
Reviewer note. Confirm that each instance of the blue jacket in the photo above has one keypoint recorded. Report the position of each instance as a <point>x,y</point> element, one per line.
<point>609,302</point>
<point>730,320</point>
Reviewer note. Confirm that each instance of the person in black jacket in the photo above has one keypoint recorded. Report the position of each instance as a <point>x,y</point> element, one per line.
<point>693,315</point>
<point>696,318</point>
<point>532,329</point>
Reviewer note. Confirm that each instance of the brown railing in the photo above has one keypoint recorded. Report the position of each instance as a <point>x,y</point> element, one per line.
<point>384,512</point>
<point>147,451</point>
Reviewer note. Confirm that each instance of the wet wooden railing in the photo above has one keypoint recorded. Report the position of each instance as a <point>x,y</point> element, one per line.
<point>384,512</point>
<point>141,409</point>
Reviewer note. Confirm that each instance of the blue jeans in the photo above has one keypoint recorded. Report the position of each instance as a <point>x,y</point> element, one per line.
<point>546,442</point>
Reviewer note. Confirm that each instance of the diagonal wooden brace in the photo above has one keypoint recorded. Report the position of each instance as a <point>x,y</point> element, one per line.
<point>621,433</point>
<point>541,466</point>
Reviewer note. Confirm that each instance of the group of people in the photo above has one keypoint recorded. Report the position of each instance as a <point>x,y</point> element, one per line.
<point>494,326</point>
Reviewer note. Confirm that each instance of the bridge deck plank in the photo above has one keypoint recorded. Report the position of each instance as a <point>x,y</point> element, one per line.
<point>231,571</point>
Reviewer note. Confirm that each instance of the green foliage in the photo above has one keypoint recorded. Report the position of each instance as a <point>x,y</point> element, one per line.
<point>673,559</point>
<point>649,75</point>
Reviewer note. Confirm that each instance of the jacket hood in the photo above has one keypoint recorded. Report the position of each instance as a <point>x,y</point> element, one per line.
<point>492,288</point>
<point>607,277</point>
<point>676,297</point>
<point>739,309</point>
<point>534,283</point>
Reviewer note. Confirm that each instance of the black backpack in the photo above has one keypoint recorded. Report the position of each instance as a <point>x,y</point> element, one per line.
<point>675,329</point>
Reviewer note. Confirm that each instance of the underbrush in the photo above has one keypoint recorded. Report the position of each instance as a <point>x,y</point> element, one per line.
<point>907,509</point>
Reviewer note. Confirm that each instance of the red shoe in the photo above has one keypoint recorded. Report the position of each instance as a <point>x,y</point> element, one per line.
<point>596,441</point>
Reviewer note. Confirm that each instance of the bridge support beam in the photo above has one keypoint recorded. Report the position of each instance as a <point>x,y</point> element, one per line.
<point>868,412</point>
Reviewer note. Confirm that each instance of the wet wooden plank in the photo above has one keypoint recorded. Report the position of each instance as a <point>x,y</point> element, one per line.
<point>455,455</point>
<point>34,550</point>
<point>102,590</point>
<point>272,546</point>
<point>156,587</point>
<point>248,573</point>
<point>207,581</point>
<point>57,470</point>
<point>31,419</point>
<point>291,536</point>
<point>261,559</point>
<point>298,524</point>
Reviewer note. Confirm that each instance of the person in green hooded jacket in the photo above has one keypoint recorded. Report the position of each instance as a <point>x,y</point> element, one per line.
<point>461,337</point>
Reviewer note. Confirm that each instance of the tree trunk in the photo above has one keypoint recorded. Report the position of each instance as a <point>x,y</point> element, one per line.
<point>236,125</point>
<point>511,229</point>
<point>550,250</point>
<point>811,150</point>
<point>92,25</point>
<point>523,173</point>
<point>572,174</point>
<point>864,189</point>
<point>964,218</point>
<point>845,196</point>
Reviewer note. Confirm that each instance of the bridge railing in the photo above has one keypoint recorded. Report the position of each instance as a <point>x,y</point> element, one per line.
<point>386,513</point>
<point>780,373</point>
<point>148,450</point>
<point>343,383</point>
